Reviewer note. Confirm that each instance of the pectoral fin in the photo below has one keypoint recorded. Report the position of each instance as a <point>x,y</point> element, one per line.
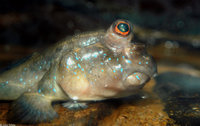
<point>31,108</point>
<point>74,105</point>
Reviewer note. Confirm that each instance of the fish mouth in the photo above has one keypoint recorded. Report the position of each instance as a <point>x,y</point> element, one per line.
<point>136,80</point>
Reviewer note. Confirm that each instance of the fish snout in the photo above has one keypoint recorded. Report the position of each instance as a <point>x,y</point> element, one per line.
<point>136,80</point>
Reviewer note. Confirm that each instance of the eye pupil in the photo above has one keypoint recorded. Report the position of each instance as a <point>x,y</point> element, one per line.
<point>123,27</point>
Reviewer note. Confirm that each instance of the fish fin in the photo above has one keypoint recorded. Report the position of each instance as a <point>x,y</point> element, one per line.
<point>31,108</point>
<point>74,105</point>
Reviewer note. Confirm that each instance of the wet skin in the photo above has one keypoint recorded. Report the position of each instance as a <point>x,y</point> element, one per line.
<point>86,67</point>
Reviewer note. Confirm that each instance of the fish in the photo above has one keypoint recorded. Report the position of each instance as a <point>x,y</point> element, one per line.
<point>90,66</point>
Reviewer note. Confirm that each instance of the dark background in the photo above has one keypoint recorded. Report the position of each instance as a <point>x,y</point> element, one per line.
<point>40,22</point>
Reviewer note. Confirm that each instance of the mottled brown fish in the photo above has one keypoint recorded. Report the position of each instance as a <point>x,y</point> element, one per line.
<point>86,67</point>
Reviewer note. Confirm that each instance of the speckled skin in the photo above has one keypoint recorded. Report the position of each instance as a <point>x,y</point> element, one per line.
<point>86,67</point>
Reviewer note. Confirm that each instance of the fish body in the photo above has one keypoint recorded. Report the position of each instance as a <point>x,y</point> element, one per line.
<point>86,67</point>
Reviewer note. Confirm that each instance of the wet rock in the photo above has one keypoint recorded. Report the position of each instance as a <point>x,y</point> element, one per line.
<point>181,94</point>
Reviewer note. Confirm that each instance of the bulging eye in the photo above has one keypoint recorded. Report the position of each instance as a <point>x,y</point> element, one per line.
<point>122,28</point>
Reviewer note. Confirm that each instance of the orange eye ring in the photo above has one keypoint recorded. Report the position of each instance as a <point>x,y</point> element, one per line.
<point>122,28</point>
